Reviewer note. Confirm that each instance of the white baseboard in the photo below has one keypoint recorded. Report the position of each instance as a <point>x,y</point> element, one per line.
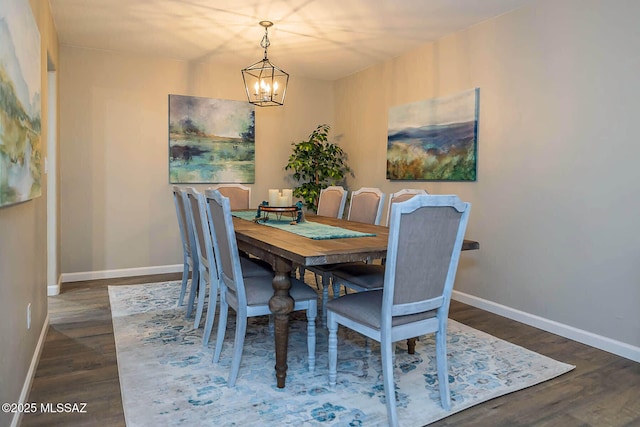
<point>598,341</point>
<point>123,272</point>
<point>26,387</point>
<point>54,289</point>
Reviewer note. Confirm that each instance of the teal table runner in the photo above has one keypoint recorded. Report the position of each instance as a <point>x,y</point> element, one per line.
<point>311,230</point>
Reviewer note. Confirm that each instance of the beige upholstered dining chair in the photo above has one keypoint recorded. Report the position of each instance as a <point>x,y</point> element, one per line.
<point>331,201</point>
<point>425,238</point>
<point>239,195</point>
<point>401,196</point>
<point>248,296</point>
<point>366,205</point>
<point>189,259</point>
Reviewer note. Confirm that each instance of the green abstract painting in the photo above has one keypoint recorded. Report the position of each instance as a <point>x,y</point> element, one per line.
<point>211,140</point>
<point>20,106</point>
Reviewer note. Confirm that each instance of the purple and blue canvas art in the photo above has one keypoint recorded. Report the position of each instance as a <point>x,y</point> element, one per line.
<point>435,139</point>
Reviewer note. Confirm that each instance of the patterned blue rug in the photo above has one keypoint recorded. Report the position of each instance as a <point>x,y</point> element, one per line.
<point>168,379</point>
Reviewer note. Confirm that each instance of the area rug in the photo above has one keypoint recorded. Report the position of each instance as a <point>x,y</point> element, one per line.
<point>167,376</point>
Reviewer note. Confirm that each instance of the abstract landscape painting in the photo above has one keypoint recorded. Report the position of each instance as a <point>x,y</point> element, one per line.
<point>211,140</point>
<point>435,139</point>
<point>20,109</point>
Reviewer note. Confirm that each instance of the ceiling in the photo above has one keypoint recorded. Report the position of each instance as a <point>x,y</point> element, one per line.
<point>323,39</point>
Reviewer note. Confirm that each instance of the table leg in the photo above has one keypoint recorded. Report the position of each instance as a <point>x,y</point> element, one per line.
<point>411,344</point>
<point>281,304</point>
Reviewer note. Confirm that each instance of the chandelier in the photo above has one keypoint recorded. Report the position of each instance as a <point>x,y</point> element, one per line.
<point>265,83</point>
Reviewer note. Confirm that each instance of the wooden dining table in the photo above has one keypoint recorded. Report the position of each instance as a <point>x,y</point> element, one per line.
<point>284,250</point>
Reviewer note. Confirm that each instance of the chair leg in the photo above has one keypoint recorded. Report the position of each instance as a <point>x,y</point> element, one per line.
<point>311,334</point>
<point>222,328</point>
<point>241,330</point>
<point>333,350</point>
<point>183,287</point>
<point>202,292</point>
<point>211,312</point>
<point>443,368</point>
<point>386,350</point>
<point>195,280</point>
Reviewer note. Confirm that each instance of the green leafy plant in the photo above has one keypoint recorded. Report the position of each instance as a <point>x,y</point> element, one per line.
<point>316,164</point>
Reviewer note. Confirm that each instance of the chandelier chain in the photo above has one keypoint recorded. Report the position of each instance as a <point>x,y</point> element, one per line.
<point>265,43</point>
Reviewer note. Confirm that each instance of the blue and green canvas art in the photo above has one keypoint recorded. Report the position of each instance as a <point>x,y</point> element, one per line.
<point>211,140</point>
<point>435,139</point>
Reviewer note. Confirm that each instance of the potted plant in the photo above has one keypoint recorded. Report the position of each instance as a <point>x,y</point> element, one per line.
<point>316,164</point>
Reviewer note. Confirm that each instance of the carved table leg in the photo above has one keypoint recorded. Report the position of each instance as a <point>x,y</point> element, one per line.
<point>281,304</point>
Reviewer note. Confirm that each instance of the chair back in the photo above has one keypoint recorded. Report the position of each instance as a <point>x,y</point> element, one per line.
<point>425,240</point>
<point>226,247</point>
<point>366,205</point>
<point>239,195</point>
<point>204,232</point>
<point>402,196</point>
<point>200,227</point>
<point>186,232</point>
<point>331,201</point>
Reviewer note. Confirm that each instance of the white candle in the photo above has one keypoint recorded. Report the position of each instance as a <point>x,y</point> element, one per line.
<point>282,200</point>
<point>273,197</point>
<point>288,194</point>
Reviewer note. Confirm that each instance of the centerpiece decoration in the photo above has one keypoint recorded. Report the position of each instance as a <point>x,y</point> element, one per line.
<point>297,215</point>
<point>280,202</point>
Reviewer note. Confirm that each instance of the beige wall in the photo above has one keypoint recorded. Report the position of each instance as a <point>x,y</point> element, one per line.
<point>556,202</point>
<point>554,206</point>
<point>23,260</point>
<point>116,206</point>
<point>557,90</point>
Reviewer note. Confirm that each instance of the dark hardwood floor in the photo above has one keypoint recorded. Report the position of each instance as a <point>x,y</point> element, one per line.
<point>78,364</point>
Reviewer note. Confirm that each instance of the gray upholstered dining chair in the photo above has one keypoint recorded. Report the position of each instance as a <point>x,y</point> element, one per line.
<point>189,260</point>
<point>367,277</point>
<point>207,265</point>
<point>366,206</point>
<point>208,273</point>
<point>239,195</point>
<point>425,238</point>
<point>204,262</point>
<point>248,296</point>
